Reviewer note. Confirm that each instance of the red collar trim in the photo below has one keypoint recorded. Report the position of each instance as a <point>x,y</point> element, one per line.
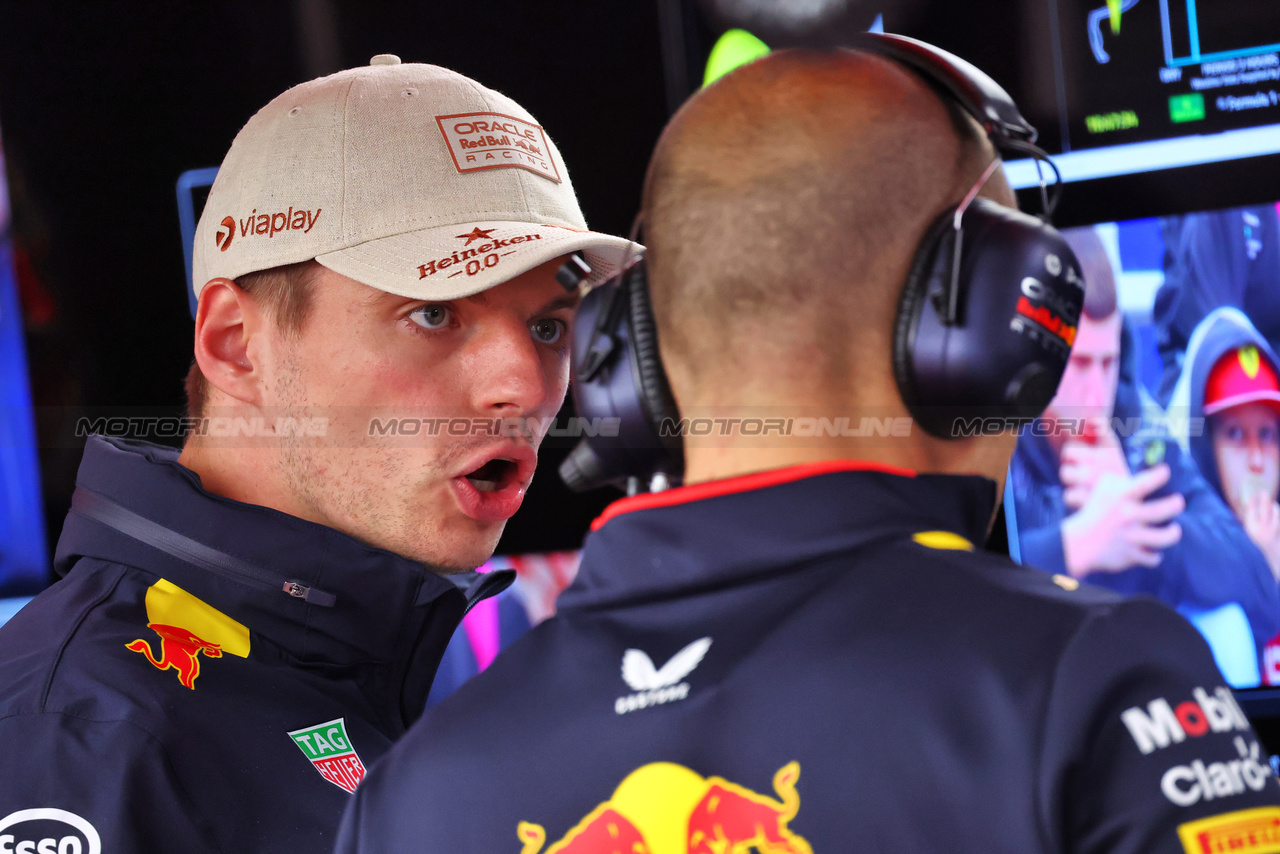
<point>741,483</point>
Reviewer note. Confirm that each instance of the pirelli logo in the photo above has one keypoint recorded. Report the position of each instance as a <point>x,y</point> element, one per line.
<point>1255,831</point>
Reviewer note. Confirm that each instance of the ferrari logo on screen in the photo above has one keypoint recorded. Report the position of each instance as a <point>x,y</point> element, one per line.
<point>1249,361</point>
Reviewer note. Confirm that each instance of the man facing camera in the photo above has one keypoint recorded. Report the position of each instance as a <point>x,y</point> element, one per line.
<point>801,649</point>
<point>244,627</point>
<point>1130,512</point>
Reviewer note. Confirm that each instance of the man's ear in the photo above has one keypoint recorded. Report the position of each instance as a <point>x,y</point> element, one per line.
<point>227,321</point>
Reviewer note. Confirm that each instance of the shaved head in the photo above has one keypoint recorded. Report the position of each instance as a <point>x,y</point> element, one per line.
<point>782,209</point>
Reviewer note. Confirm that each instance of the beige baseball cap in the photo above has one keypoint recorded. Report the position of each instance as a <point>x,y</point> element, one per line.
<point>410,178</point>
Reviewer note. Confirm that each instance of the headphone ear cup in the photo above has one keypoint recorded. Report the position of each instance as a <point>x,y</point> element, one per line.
<point>1018,299</point>
<point>618,379</point>
<point>655,391</point>
<point>925,279</point>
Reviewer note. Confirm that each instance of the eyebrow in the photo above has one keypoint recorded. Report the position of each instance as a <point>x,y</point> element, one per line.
<point>562,301</point>
<point>568,300</point>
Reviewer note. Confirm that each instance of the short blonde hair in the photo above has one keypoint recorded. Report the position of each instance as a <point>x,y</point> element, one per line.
<point>286,292</point>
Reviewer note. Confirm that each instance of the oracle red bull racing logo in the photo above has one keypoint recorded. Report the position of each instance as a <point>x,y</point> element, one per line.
<point>665,808</point>
<point>187,627</point>
<point>480,141</point>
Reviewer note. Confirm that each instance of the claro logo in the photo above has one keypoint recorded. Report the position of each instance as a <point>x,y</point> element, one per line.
<point>224,238</point>
<point>47,831</point>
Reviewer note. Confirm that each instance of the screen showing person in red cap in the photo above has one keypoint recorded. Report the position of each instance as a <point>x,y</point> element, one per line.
<point>387,268</point>
<point>1215,258</point>
<point>1230,388</point>
<point>1242,397</point>
<point>1104,493</point>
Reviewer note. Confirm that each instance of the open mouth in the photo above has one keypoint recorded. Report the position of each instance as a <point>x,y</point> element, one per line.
<point>493,489</point>
<point>493,475</point>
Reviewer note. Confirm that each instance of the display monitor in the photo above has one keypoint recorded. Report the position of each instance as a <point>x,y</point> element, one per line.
<point>1163,117</point>
<point>1156,469</point>
<point>193,191</point>
<point>24,563</point>
<point>1090,74</point>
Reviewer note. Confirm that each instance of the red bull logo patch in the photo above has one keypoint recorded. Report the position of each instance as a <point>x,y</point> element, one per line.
<point>665,808</point>
<point>330,751</point>
<point>187,627</point>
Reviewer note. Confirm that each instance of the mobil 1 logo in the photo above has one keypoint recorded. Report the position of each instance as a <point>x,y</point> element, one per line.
<point>47,830</point>
<point>1164,722</point>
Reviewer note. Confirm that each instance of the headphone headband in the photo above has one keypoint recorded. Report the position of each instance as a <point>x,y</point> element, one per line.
<point>971,89</point>
<point>979,95</point>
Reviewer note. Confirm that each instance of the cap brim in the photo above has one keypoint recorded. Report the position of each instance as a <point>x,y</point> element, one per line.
<point>1260,396</point>
<point>455,261</point>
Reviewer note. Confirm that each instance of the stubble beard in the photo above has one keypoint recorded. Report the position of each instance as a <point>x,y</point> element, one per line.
<point>371,489</point>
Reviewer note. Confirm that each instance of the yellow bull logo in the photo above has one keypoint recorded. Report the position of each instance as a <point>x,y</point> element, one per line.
<point>665,808</point>
<point>187,626</point>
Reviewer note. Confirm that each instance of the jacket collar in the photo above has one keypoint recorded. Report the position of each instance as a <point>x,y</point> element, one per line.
<point>316,592</point>
<point>722,532</point>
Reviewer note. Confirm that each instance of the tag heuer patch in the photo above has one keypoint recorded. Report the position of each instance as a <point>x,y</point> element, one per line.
<point>329,749</point>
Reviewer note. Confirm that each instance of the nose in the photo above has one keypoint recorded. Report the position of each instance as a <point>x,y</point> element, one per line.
<point>1255,456</point>
<point>1095,390</point>
<point>510,377</point>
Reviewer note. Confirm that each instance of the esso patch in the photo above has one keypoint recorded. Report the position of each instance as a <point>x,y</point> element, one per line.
<point>47,831</point>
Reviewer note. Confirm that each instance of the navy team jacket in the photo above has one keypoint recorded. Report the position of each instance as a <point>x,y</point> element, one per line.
<point>208,675</point>
<point>816,660</point>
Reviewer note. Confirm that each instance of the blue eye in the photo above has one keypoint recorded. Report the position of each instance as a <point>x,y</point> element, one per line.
<point>431,316</point>
<point>548,330</point>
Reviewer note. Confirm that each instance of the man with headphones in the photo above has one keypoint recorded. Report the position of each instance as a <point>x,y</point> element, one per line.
<point>802,649</point>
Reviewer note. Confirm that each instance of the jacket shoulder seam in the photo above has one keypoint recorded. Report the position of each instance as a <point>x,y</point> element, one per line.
<point>73,630</point>
<point>192,807</point>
